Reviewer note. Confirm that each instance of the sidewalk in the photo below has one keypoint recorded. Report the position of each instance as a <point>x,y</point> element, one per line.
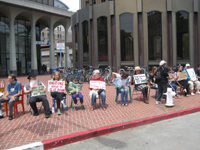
<point>26,129</point>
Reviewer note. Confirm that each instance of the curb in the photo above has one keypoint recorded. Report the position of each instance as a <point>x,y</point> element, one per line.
<point>67,139</point>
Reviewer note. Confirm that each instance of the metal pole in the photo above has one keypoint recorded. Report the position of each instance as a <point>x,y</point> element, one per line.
<point>60,59</point>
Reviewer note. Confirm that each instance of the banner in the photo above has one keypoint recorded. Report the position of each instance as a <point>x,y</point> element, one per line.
<point>192,74</point>
<point>97,85</point>
<point>38,90</point>
<point>58,86</point>
<point>182,75</point>
<point>140,78</point>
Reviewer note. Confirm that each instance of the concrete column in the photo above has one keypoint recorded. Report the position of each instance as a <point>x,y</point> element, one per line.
<point>191,38</point>
<point>51,50</point>
<point>67,58</point>
<point>13,63</point>
<point>174,38</point>
<point>33,48</point>
<point>146,47</point>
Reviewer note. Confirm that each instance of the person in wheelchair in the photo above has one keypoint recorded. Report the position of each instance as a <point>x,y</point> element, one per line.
<point>141,87</point>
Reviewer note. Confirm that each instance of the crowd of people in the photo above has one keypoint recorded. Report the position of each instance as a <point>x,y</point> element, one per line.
<point>159,79</point>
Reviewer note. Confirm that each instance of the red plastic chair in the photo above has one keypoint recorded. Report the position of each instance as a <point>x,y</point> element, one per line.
<point>21,101</point>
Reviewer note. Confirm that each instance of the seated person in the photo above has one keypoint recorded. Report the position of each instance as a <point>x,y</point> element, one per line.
<point>191,82</point>
<point>182,82</point>
<point>152,80</point>
<point>121,87</point>
<point>94,93</point>
<point>72,89</point>
<point>197,71</point>
<point>32,99</point>
<point>12,95</point>
<point>58,95</point>
<point>141,87</point>
<point>171,84</point>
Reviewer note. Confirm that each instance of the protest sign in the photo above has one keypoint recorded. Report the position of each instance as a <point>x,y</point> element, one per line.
<point>171,77</point>
<point>140,78</point>
<point>97,85</point>
<point>192,74</point>
<point>182,75</point>
<point>38,90</point>
<point>58,86</point>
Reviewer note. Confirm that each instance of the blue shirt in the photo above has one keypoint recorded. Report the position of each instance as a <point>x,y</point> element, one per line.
<point>14,88</point>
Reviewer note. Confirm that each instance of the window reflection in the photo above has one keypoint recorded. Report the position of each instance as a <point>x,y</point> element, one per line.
<point>85,42</point>
<point>155,35</point>
<point>182,28</point>
<point>126,36</point>
<point>102,39</point>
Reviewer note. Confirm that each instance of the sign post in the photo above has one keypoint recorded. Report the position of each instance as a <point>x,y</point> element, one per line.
<point>60,46</point>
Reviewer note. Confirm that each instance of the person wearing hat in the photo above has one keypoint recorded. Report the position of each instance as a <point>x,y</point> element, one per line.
<point>14,88</point>
<point>141,87</point>
<point>162,84</point>
<point>191,82</point>
<point>94,93</point>
<point>198,71</point>
<point>121,87</point>
<point>32,100</point>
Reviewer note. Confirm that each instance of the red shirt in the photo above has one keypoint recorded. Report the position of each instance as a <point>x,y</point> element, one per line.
<point>99,79</point>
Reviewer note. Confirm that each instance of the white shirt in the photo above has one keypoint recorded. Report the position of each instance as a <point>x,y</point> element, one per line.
<point>120,82</point>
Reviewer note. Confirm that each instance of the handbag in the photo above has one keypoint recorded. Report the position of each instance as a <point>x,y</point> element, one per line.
<point>100,90</point>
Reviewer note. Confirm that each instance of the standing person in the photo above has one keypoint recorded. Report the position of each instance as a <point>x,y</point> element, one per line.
<point>72,89</point>
<point>162,83</point>
<point>198,71</point>
<point>12,95</point>
<point>191,82</point>
<point>121,87</point>
<point>32,100</point>
<point>58,95</point>
<point>141,87</point>
<point>95,92</point>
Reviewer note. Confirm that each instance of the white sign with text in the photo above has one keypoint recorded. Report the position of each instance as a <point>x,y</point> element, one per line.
<point>97,85</point>
<point>140,78</point>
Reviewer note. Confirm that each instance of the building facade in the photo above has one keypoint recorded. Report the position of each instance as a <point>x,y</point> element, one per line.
<point>21,23</point>
<point>136,32</point>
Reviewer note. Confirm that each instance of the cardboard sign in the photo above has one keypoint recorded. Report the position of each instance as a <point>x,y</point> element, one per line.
<point>38,90</point>
<point>140,78</point>
<point>97,85</point>
<point>182,75</point>
<point>171,77</point>
<point>58,86</point>
<point>192,74</point>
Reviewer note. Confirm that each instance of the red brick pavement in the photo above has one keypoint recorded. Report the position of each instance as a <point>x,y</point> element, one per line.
<point>25,129</point>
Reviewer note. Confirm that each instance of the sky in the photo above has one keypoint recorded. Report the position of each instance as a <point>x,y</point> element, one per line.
<point>72,4</point>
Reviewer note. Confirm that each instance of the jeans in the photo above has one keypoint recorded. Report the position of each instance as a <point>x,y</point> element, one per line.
<point>58,96</point>
<point>174,87</point>
<point>74,96</point>
<point>11,103</point>
<point>103,97</point>
<point>162,88</point>
<point>124,93</point>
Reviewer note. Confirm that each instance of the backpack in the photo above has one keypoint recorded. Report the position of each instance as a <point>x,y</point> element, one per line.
<point>157,76</point>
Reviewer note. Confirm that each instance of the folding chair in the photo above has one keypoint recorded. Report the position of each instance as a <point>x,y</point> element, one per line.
<point>117,92</point>
<point>54,103</point>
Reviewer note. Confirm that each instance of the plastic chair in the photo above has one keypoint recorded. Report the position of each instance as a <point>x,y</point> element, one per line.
<point>80,89</point>
<point>20,101</point>
<point>117,92</point>
<point>54,103</point>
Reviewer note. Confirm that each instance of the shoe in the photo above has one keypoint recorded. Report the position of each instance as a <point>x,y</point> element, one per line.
<point>64,106</point>
<point>104,107</point>
<point>76,108</point>
<point>52,110</point>
<point>192,94</point>
<point>158,102</point>
<point>198,92</point>
<point>35,114</point>
<point>59,113</point>
<point>83,107</point>
<point>47,116</point>
<point>10,118</point>
<point>1,117</point>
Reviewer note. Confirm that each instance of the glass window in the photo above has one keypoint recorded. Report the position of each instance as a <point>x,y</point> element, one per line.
<point>85,42</point>
<point>182,35</point>
<point>45,2</point>
<point>102,39</point>
<point>103,1</point>
<point>155,35</point>
<point>87,3</point>
<point>93,1</point>
<point>126,37</point>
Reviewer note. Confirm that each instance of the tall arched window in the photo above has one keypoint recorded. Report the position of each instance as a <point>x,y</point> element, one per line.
<point>85,41</point>
<point>182,35</point>
<point>155,35</point>
<point>126,37</point>
<point>102,39</point>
